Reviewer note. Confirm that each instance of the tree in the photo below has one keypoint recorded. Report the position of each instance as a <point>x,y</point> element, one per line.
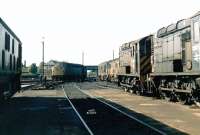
<point>33,68</point>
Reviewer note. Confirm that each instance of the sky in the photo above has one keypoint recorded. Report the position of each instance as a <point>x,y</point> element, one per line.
<point>95,27</point>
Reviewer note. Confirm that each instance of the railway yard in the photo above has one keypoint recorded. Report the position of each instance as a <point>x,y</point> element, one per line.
<point>151,88</point>
<point>94,108</point>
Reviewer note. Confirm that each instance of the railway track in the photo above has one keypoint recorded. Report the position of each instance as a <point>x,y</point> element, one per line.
<point>101,118</point>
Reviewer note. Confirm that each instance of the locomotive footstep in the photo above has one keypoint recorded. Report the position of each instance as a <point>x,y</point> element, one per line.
<point>197,103</point>
<point>125,89</point>
<point>131,91</point>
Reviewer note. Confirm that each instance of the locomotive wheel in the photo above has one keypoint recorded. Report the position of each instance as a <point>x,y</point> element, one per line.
<point>189,100</point>
<point>160,94</point>
<point>181,99</point>
<point>163,95</point>
<point>173,97</point>
<point>137,92</point>
<point>186,99</point>
<point>142,92</point>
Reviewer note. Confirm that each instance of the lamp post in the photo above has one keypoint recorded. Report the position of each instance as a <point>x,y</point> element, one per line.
<point>82,58</point>
<point>43,56</point>
<point>113,54</point>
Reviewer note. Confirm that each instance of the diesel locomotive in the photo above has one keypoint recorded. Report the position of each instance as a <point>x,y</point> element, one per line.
<point>108,70</point>
<point>68,72</point>
<point>176,60</point>
<point>164,64</point>
<point>10,61</point>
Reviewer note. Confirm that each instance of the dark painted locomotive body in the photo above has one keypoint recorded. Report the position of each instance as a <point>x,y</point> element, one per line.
<point>10,61</point>
<point>68,72</point>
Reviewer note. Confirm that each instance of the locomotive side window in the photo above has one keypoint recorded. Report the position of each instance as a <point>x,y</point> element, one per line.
<point>3,60</point>
<point>7,41</point>
<point>13,43</point>
<point>148,47</point>
<point>14,61</point>
<point>196,32</point>
<point>104,68</point>
<point>18,63</point>
<point>19,57</point>
<point>128,69</point>
<point>142,48</point>
<point>10,62</point>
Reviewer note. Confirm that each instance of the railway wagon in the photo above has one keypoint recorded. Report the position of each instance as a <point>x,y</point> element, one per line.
<point>10,61</point>
<point>176,60</point>
<point>68,72</point>
<point>109,70</point>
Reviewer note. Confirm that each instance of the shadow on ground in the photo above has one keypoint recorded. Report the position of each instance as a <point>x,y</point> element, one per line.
<point>39,116</point>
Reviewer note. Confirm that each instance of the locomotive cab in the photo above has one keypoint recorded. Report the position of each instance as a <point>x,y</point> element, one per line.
<point>135,63</point>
